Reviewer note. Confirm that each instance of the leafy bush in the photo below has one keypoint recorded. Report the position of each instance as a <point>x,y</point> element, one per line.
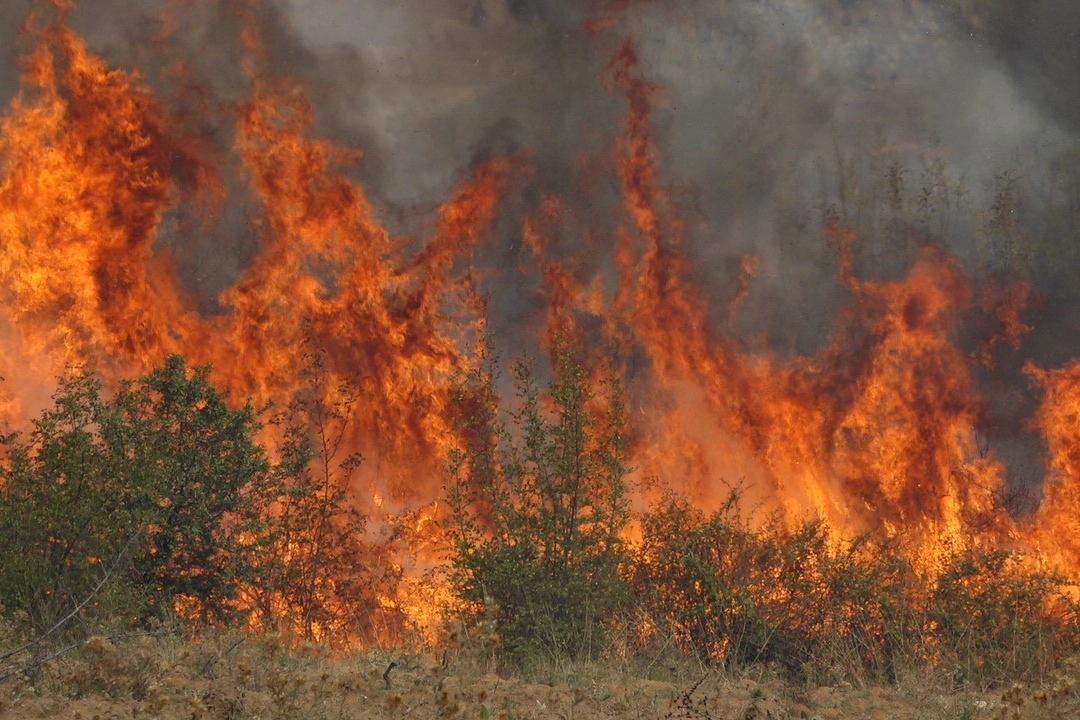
<point>159,500</point>
<point>191,466</point>
<point>537,508</point>
<point>996,620</point>
<point>65,521</point>
<point>142,498</point>
<point>733,594</point>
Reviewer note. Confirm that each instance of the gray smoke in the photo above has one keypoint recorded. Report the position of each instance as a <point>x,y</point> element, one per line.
<point>769,113</point>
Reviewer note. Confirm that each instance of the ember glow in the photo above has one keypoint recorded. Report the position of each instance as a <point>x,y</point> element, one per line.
<point>880,427</point>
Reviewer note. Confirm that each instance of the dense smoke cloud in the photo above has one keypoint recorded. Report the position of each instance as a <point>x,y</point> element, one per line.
<point>1038,42</point>
<point>769,111</point>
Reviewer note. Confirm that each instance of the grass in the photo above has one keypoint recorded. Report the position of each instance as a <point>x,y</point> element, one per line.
<point>226,676</point>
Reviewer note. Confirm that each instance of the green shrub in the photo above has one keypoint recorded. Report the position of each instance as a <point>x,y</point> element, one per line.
<point>66,523</point>
<point>191,466</point>
<point>537,507</point>
<point>158,499</point>
<point>996,620</point>
<point>137,502</point>
<point>733,594</point>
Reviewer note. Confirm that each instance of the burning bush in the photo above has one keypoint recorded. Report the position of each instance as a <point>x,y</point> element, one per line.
<point>992,614</point>
<point>127,508</point>
<point>733,594</point>
<point>317,574</point>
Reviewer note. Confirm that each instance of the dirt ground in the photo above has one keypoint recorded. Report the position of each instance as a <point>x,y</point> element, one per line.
<point>238,677</point>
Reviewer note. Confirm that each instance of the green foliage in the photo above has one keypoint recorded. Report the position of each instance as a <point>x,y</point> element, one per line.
<point>160,499</point>
<point>537,506</point>
<point>144,495</point>
<point>996,620</point>
<point>191,466</point>
<point>734,595</point>
<point>63,519</point>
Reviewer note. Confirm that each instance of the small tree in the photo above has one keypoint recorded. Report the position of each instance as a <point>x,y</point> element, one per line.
<point>192,467</point>
<point>537,507</point>
<point>153,490</point>
<point>316,575</point>
<point>64,520</point>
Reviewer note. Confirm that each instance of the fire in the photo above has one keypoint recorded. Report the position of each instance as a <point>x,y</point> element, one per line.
<point>879,431</point>
<point>87,153</point>
<point>1054,528</point>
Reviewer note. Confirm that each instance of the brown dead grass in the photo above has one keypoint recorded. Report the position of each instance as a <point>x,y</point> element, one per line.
<point>234,677</point>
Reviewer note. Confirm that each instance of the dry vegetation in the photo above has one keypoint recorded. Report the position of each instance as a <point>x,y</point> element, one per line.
<point>226,676</point>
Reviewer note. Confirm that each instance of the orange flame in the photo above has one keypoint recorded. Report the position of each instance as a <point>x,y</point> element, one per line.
<point>878,431</point>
